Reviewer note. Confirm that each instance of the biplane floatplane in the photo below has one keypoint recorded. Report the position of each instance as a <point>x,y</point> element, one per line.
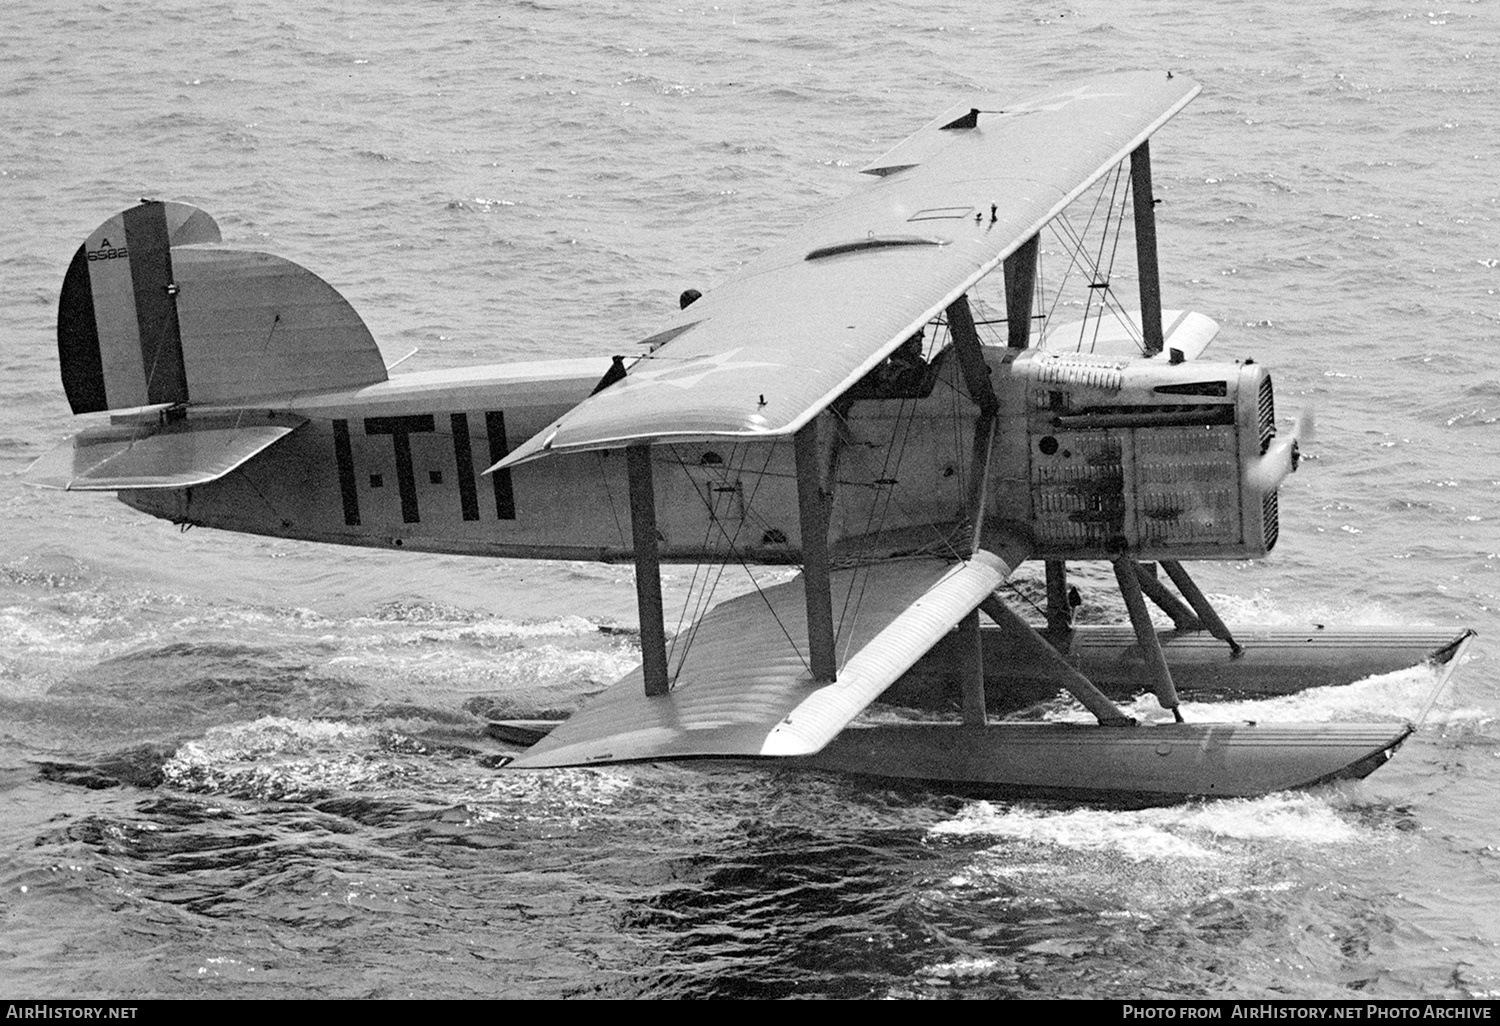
<point>839,404</point>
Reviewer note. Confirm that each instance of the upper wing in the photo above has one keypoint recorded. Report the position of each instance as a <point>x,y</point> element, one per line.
<point>743,688</point>
<point>763,353</point>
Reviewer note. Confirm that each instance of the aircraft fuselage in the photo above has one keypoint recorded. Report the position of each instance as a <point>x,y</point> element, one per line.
<point>1093,457</point>
<point>401,464</point>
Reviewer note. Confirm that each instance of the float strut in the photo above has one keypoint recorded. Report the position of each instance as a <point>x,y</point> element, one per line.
<point>1037,649</point>
<point>1183,618</point>
<point>1145,635</point>
<point>976,373</point>
<point>812,511</point>
<point>647,570</point>
<point>971,671</point>
<point>984,447</point>
<point>1059,610</point>
<point>1200,604</point>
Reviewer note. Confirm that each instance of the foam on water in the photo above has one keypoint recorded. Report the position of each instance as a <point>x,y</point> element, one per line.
<point>1085,888</point>
<point>1390,696</point>
<point>1399,695</point>
<point>1210,831</point>
<point>284,760</point>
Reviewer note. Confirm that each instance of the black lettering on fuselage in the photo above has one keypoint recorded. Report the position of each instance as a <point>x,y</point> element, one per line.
<point>401,429</point>
<point>345,458</point>
<point>505,497</point>
<point>463,455</point>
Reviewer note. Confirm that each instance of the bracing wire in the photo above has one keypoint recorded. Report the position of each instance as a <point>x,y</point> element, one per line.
<point>609,496</point>
<point>876,518</point>
<point>885,501</point>
<point>734,550</point>
<point>1061,226</point>
<point>693,587</point>
<point>1099,273</point>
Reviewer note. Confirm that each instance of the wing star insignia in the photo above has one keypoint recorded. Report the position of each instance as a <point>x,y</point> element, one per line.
<point>1058,101</point>
<point>690,372</point>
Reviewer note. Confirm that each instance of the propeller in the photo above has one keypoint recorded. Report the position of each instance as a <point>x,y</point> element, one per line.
<point>1281,456</point>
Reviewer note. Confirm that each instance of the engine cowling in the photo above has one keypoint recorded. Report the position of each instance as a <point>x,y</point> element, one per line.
<point>1099,455</point>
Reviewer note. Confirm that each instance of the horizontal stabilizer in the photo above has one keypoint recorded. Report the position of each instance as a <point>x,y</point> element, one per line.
<point>744,689</point>
<point>154,311</point>
<point>179,454</point>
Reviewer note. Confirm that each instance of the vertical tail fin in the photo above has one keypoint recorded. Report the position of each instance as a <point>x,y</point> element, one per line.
<point>152,312</point>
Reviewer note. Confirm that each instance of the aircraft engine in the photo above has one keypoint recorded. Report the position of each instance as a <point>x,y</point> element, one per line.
<point>1099,455</point>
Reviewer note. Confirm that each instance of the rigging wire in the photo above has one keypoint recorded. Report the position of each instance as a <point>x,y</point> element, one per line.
<point>731,542</point>
<point>1073,242</point>
<point>609,496</point>
<point>882,504</point>
<point>942,543</point>
<point>701,567</point>
<point>731,465</point>
<point>886,500</point>
<point>1097,264</point>
<point>1109,295</point>
<point>697,567</point>
<point>1099,273</point>
<point>955,404</point>
<point>1011,584</point>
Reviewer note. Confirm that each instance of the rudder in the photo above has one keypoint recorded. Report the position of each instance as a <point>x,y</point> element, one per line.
<point>117,334</point>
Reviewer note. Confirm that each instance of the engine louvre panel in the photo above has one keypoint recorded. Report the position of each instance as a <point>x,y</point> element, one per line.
<point>1078,491</point>
<point>1187,485</point>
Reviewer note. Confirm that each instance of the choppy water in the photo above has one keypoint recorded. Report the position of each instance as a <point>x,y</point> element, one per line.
<point>243,767</point>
